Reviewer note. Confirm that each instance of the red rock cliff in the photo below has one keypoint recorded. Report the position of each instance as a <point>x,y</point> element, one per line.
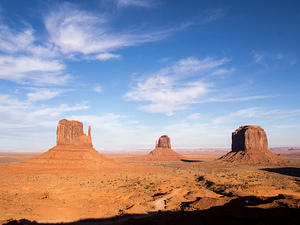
<point>164,142</point>
<point>70,132</point>
<point>250,146</point>
<point>249,138</point>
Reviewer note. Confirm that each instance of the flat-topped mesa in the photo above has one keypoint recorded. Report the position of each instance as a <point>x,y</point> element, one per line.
<point>70,132</point>
<point>250,146</point>
<point>249,138</point>
<point>163,142</point>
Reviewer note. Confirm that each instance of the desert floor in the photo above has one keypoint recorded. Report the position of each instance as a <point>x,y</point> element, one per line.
<point>162,191</point>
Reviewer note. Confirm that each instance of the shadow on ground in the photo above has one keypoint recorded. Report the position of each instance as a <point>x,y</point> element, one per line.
<point>190,160</point>
<point>290,171</point>
<point>240,210</point>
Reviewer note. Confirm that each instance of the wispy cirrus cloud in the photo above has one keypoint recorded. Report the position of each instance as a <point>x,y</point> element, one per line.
<point>40,94</point>
<point>31,69</point>
<point>167,90</point>
<point>31,124</point>
<point>212,15</point>
<point>98,89</point>
<point>257,112</point>
<point>14,41</point>
<point>188,81</point>
<point>107,56</point>
<point>184,83</point>
<point>79,32</point>
<point>27,114</point>
<point>23,60</point>
<point>223,71</point>
<point>73,32</point>
<point>268,59</point>
<point>138,3</point>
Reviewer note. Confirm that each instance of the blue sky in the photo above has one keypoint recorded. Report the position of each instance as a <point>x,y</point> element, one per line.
<point>134,70</point>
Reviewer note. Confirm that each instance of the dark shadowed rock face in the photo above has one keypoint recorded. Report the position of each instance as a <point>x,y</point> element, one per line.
<point>249,138</point>
<point>70,132</point>
<point>250,146</point>
<point>164,142</point>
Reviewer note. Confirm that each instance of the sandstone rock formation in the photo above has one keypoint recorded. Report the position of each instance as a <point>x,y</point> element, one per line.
<point>163,151</point>
<point>74,150</point>
<point>71,133</point>
<point>250,146</point>
<point>164,142</point>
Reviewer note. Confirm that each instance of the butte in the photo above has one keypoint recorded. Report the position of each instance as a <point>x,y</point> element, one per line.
<point>250,146</point>
<point>163,151</point>
<point>73,150</point>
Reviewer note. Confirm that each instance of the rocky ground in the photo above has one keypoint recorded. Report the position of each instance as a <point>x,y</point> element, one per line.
<point>154,193</point>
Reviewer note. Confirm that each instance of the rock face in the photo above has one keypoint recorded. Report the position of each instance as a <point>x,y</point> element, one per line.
<point>163,151</point>
<point>74,150</point>
<point>250,146</point>
<point>164,142</point>
<point>71,133</point>
<point>249,139</point>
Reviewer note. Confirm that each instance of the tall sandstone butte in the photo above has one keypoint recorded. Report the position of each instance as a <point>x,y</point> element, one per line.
<point>163,151</point>
<point>250,146</point>
<point>164,142</point>
<point>73,150</point>
<point>71,133</point>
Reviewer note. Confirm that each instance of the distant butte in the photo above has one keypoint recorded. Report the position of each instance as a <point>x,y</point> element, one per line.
<point>250,146</point>
<point>163,151</point>
<point>73,150</point>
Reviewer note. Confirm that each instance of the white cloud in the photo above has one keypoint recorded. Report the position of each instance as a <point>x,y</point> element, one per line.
<point>188,81</point>
<point>167,90</point>
<point>58,110</point>
<point>244,113</point>
<point>15,41</point>
<point>24,42</point>
<point>257,112</point>
<point>98,89</point>
<point>107,56</point>
<point>106,122</point>
<point>29,124</point>
<point>43,94</point>
<point>114,131</point>
<point>258,58</point>
<point>78,32</point>
<point>267,59</point>
<point>18,114</point>
<point>228,98</point>
<point>194,116</point>
<point>22,60</point>
<point>192,65</point>
<point>285,126</point>
<point>140,3</point>
<point>223,71</point>
<point>166,95</point>
<point>27,68</point>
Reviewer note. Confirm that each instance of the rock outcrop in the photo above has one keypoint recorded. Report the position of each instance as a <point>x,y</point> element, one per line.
<point>250,146</point>
<point>71,133</point>
<point>163,151</point>
<point>74,150</point>
<point>164,142</point>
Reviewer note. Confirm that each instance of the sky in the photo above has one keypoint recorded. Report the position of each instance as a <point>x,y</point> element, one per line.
<point>137,69</point>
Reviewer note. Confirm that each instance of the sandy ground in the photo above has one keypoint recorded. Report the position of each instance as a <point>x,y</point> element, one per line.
<point>143,187</point>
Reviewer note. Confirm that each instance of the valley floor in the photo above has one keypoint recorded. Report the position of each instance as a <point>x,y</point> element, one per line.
<point>147,189</point>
